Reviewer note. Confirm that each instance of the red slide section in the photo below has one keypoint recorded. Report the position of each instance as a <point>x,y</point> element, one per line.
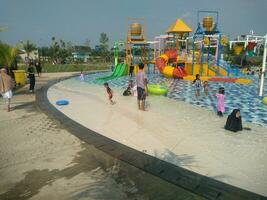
<point>172,55</point>
<point>160,63</point>
<point>169,56</point>
<point>179,72</point>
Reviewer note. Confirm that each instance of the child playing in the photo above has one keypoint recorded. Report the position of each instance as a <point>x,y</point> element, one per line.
<point>128,91</point>
<point>109,92</point>
<point>197,85</point>
<point>82,76</point>
<point>220,102</point>
<point>206,87</point>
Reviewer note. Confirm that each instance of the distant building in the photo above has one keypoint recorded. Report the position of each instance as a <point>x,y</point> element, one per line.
<point>81,56</point>
<point>98,48</point>
<point>33,55</point>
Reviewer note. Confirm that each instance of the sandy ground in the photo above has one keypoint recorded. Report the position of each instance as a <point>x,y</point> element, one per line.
<point>39,160</point>
<point>173,131</point>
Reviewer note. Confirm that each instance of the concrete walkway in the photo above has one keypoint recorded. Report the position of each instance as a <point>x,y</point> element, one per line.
<point>41,160</point>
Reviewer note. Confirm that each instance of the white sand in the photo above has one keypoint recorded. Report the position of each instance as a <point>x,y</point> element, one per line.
<point>176,132</point>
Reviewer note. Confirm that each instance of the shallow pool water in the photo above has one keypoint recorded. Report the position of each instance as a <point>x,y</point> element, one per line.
<point>239,96</point>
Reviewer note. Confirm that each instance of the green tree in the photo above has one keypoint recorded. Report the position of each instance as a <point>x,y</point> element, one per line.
<point>3,29</point>
<point>7,55</point>
<point>87,43</point>
<point>28,47</point>
<point>104,45</point>
<point>104,42</point>
<point>44,51</point>
<point>54,48</point>
<point>60,51</point>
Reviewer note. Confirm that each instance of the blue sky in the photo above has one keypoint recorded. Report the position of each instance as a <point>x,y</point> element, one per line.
<point>79,20</point>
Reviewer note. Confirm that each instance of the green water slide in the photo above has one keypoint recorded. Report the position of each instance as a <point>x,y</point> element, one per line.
<point>120,70</point>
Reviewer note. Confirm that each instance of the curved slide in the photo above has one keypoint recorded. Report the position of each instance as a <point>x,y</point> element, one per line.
<point>169,71</point>
<point>121,69</point>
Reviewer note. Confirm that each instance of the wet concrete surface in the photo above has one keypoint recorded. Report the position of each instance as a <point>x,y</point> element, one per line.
<point>91,174</point>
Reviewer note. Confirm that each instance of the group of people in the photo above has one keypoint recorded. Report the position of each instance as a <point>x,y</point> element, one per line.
<point>198,86</point>
<point>234,120</point>
<point>32,68</point>
<point>140,89</point>
<point>7,83</point>
<point>219,95</point>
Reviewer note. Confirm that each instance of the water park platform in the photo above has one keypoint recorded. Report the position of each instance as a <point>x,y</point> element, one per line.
<point>187,144</point>
<point>219,79</point>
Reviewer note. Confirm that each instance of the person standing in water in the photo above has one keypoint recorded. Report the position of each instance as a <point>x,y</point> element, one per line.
<point>206,87</point>
<point>6,86</point>
<point>220,102</point>
<point>141,82</point>
<point>82,76</point>
<point>197,85</point>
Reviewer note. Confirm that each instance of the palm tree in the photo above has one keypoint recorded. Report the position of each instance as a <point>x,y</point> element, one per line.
<point>7,54</point>
<point>3,29</point>
<point>28,47</point>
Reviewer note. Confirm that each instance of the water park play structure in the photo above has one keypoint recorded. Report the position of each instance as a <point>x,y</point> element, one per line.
<point>206,37</point>
<point>251,44</point>
<point>180,61</point>
<point>137,50</point>
<point>178,31</point>
<point>177,55</point>
<point>121,69</point>
<point>137,47</point>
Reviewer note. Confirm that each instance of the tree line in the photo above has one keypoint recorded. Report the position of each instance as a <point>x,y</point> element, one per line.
<point>59,50</point>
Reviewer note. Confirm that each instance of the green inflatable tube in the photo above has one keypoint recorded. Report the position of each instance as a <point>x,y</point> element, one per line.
<point>157,89</point>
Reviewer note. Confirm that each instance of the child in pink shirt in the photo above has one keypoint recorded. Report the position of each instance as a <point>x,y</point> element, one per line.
<point>220,102</point>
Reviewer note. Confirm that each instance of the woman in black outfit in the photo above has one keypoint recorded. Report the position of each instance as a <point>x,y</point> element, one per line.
<point>38,67</point>
<point>234,121</point>
<point>31,76</point>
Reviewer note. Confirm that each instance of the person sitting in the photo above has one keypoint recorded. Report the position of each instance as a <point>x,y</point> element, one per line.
<point>234,121</point>
<point>128,91</point>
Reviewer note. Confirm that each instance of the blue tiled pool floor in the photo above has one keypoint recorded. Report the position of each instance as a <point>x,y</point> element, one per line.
<point>239,96</point>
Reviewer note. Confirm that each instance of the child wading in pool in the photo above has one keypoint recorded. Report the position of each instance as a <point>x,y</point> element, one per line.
<point>82,76</point>
<point>206,87</point>
<point>110,93</point>
<point>197,85</point>
<point>220,101</point>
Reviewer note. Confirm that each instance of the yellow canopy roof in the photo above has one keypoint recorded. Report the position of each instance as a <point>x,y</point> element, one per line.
<point>179,27</point>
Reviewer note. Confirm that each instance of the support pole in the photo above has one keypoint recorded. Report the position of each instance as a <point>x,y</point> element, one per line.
<point>263,67</point>
<point>133,55</point>
<point>148,60</point>
<point>208,59</point>
<point>193,55</point>
<point>219,50</point>
<point>202,56</point>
